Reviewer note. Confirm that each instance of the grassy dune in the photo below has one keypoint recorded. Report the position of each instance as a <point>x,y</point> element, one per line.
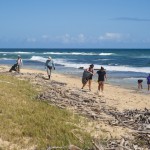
<point>27,122</point>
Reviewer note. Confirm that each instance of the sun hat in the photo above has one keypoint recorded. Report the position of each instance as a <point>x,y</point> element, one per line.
<point>49,58</point>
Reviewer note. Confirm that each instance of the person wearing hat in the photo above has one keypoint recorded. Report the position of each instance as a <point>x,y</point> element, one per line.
<point>49,65</point>
<point>101,78</point>
<point>90,70</point>
<point>19,63</point>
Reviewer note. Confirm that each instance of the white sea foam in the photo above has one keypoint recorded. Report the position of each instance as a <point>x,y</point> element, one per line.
<point>106,54</point>
<point>24,52</point>
<point>78,53</point>
<point>5,59</point>
<point>67,63</point>
<point>104,59</point>
<point>143,56</point>
<point>65,53</point>
<point>128,69</point>
<point>17,52</point>
<point>38,58</point>
<point>108,68</point>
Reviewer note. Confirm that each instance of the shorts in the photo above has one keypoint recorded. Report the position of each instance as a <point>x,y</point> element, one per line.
<point>90,78</point>
<point>49,67</point>
<point>101,82</point>
<point>140,81</point>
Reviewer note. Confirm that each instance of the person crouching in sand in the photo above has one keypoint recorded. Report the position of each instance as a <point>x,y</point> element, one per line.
<point>101,79</point>
<point>140,86</point>
<point>87,76</point>
<point>49,65</point>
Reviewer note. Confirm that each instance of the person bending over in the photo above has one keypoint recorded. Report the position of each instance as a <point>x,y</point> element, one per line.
<point>90,72</point>
<point>140,86</point>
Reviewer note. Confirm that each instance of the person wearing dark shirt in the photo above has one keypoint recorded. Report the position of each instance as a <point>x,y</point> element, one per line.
<point>148,82</point>
<point>101,78</point>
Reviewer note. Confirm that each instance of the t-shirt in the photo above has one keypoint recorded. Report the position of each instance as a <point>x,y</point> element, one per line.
<point>50,63</point>
<point>19,62</point>
<point>148,80</point>
<point>101,75</point>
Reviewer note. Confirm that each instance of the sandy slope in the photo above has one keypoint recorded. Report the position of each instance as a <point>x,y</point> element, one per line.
<point>115,96</point>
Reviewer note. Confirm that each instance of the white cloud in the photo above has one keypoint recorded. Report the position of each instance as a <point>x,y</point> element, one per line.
<point>111,36</point>
<point>146,41</point>
<point>79,39</point>
<point>66,38</point>
<point>45,36</point>
<point>31,40</point>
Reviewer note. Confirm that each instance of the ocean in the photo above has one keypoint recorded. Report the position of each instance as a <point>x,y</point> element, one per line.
<point>123,66</point>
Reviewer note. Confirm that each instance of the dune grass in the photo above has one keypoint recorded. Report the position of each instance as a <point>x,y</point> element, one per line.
<point>26,121</point>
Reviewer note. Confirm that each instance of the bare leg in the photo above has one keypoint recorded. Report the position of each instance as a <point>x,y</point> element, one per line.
<point>18,68</point>
<point>99,86</point>
<point>49,73</point>
<point>83,85</point>
<point>148,87</point>
<point>90,81</point>
<point>138,85</point>
<point>102,86</point>
<point>141,86</point>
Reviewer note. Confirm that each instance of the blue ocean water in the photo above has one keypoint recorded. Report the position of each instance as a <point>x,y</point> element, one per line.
<point>123,66</point>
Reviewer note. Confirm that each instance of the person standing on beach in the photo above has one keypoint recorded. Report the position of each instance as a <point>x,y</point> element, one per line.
<point>88,79</point>
<point>49,65</point>
<point>19,63</point>
<point>101,79</point>
<point>148,82</point>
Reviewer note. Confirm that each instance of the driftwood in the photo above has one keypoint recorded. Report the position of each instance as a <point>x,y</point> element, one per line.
<point>133,119</point>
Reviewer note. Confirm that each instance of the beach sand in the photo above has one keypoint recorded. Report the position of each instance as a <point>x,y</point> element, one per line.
<point>114,96</point>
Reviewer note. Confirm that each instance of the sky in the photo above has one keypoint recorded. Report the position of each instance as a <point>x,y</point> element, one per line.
<point>74,24</point>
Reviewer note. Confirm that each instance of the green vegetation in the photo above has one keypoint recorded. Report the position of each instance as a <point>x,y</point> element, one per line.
<point>26,121</point>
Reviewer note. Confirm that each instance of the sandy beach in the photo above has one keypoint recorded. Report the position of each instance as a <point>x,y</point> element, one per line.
<point>115,96</point>
<point>70,96</point>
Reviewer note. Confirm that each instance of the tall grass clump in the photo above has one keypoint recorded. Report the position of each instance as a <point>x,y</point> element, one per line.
<point>26,121</point>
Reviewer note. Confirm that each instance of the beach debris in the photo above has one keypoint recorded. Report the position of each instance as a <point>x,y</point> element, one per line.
<point>133,119</point>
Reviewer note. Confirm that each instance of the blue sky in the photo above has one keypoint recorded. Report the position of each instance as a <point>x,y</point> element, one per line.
<point>74,24</point>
